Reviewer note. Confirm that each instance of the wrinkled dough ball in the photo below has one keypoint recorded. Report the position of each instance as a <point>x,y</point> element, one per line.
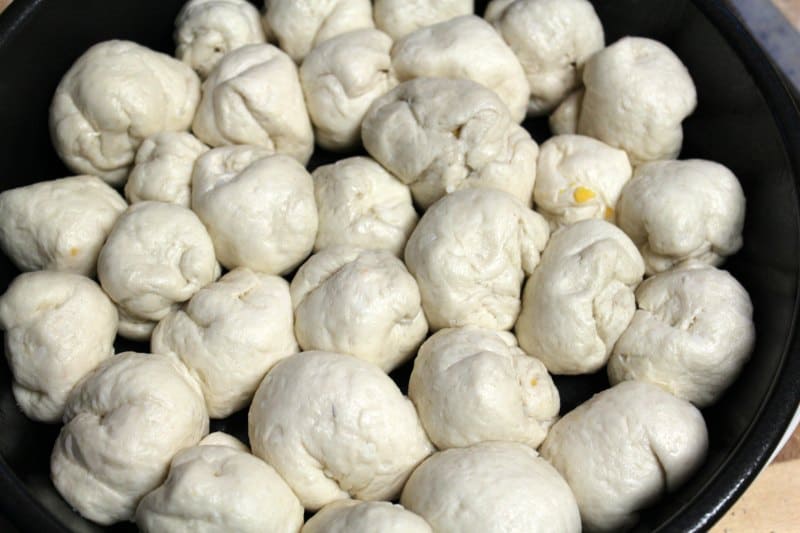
<point>564,120</point>
<point>624,449</point>
<point>350,516</point>
<point>637,94</point>
<point>59,224</point>
<point>691,334</point>
<point>401,17</point>
<point>580,298</point>
<point>59,327</point>
<point>492,487</point>
<point>113,97</point>
<point>259,209</point>
<point>438,136</point>
<point>469,255</point>
<point>683,210</point>
<point>341,78</point>
<point>123,424</point>
<point>336,427</point>
<point>359,302</point>
<point>253,96</point>
<point>473,385</point>
<point>206,30</point>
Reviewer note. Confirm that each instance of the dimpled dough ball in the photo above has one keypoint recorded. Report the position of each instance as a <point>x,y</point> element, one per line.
<point>336,427</point>
<point>113,97</point>
<point>564,120</point>
<point>123,424</point>
<point>401,17</point>
<point>624,449</point>
<point>350,516</point>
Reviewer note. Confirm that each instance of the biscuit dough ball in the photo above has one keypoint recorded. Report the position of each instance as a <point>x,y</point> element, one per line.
<point>350,516</point>
<point>472,385</point>
<point>624,449</point>
<point>59,326</point>
<point>564,120</point>
<point>438,136</point>
<point>580,299</point>
<point>59,224</point>
<point>683,210</point>
<point>336,427</point>
<point>492,487</point>
<point>359,302</point>
<point>123,424</point>
<point>219,438</point>
<point>259,210</point>
<point>470,254</point>
<point>113,97</point>
<point>401,17</point>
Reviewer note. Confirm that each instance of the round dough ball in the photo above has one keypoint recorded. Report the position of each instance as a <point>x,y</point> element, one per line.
<point>492,487</point>
<point>469,255</point>
<point>229,335</point>
<point>473,385</point>
<point>59,327</point>
<point>218,438</point>
<point>123,424</point>
<point>259,209</point>
<point>438,136</point>
<point>401,17</point>
<point>677,211</point>
<point>350,516</point>
<point>624,449</point>
<point>564,120</point>
<point>253,96</point>
<point>341,78</point>
<point>580,299</point>
<point>336,427</point>
<point>637,94</point>
<point>691,334</point>
<point>113,97</point>
<point>359,302</point>
<point>59,224</point>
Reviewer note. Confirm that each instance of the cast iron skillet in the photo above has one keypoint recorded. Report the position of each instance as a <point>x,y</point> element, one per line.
<point>745,120</point>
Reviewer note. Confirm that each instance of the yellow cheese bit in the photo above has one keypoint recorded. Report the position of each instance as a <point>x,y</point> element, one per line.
<point>73,251</point>
<point>609,213</point>
<point>534,382</point>
<point>583,194</point>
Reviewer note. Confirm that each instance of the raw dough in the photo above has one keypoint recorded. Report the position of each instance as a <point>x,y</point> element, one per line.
<point>401,17</point>
<point>351,516</point>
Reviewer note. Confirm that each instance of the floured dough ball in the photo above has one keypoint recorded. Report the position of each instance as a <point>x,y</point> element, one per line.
<point>350,516</point>
<point>401,17</point>
<point>113,97</point>
<point>472,385</point>
<point>336,427</point>
<point>438,136</point>
<point>624,449</point>
<point>580,299</point>
<point>156,257</point>
<point>691,334</point>
<point>637,94</point>
<point>206,30</point>
<point>59,224</point>
<point>259,209</point>
<point>229,335</point>
<point>469,255</point>
<point>341,78</point>
<point>123,424</point>
<point>683,210</point>
<point>162,171</point>
<point>579,178</point>
<point>464,48</point>
<point>59,327</point>
<point>492,487</point>
<point>253,96</point>
<point>564,120</point>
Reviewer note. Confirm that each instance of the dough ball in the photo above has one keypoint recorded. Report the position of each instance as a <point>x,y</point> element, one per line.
<point>580,299</point>
<point>336,427</point>
<point>492,487</point>
<point>637,94</point>
<point>469,255</point>
<point>465,47</point>
<point>123,424</point>
<point>59,224</point>
<point>401,17</point>
<point>229,335</point>
<point>624,449</point>
<point>438,136</point>
<point>253,96</point>
<point>473,385</point>
<point>113,97</point>
<point>677,211</point>
<point>59,327</point>
<point>341,78</point>
<point>259,209</point>
<point>691,334</point>
<point>350,516</point>
<point>564,120</point>
<point>359,302</point>
<point>218,438</point>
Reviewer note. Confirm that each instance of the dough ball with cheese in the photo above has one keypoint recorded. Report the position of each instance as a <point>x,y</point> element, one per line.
<point>564,120</point>
<point>401,17</point>
<point>350,516</point>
